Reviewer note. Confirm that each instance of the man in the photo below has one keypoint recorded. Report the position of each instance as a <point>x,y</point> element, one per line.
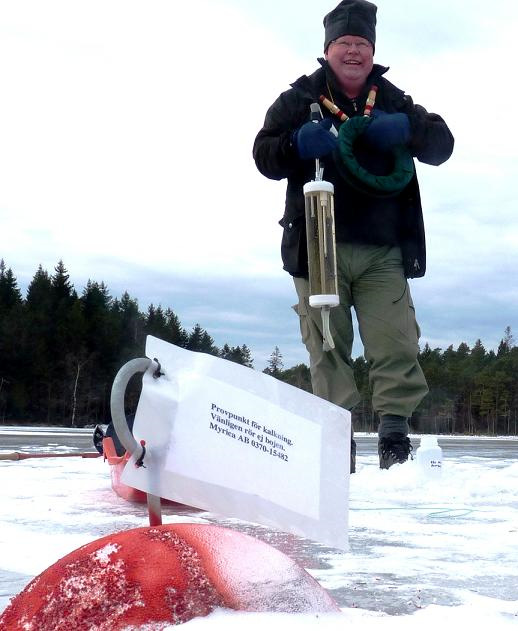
<point>380,238</point>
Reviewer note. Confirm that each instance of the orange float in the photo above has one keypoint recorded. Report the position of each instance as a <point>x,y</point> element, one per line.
<point>117,464</point>
<point>158,576</point>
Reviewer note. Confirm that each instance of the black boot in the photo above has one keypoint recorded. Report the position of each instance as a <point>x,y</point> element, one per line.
<point>98,438</point>
<point>394,448</point>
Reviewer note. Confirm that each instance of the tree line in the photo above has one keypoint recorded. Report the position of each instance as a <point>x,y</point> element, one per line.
<point>60,351</point>
<point>473,391</point>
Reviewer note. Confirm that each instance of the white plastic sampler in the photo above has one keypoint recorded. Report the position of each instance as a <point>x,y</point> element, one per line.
<point>429,457</point>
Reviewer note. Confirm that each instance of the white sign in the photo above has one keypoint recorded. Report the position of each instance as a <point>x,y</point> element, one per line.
<point>234,441</point>
<point>224,424</point>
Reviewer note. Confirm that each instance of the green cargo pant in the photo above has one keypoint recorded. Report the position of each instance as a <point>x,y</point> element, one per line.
<point>371,280</point>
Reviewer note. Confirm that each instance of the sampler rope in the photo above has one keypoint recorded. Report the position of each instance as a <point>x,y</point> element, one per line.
<point>437,512</point>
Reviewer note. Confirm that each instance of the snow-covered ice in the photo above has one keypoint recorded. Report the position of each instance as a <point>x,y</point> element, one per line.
<point>434,553</point>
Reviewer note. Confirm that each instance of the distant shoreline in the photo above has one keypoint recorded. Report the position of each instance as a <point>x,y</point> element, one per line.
<point>64,429</point>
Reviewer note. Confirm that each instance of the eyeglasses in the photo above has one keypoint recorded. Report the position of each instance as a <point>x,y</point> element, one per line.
<point>347,45</point>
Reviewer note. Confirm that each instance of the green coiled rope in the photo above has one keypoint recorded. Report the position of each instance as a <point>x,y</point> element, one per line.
<point>361,179</point>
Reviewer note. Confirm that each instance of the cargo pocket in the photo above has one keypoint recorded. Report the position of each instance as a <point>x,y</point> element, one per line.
<point>301,309</point>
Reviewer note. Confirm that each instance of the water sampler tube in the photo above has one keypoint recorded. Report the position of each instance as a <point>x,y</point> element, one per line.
<point>321,243</point>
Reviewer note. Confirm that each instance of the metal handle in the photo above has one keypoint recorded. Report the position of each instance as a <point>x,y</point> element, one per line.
<point>120,383</point>
<point>120,424</point>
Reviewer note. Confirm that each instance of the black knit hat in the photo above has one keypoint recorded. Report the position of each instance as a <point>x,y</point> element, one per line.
<point>351,17</point>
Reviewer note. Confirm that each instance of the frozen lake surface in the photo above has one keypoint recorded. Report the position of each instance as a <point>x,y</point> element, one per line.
<point>424,553</point>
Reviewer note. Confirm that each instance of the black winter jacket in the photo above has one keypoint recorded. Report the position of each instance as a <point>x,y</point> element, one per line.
<point>359,218</point>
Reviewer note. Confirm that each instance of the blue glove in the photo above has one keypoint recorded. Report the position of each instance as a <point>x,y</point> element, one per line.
<point>386,131</point>
<point>314,140</point>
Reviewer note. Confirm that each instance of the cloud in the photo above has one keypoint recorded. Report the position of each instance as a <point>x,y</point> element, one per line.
<point>132,135</point>
<point>126,134</point>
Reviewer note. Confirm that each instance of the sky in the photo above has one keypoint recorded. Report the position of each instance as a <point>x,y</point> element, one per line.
<point>126,131</point>
<point>424,553</point>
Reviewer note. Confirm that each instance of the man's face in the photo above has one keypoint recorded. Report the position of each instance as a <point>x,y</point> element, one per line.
<point>351,59</point>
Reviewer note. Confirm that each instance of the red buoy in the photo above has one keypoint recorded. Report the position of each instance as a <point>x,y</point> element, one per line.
<point>160,576</point>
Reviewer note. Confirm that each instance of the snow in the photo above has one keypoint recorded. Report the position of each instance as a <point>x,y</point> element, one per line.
<point>103,555</point>
<point>426,553</point>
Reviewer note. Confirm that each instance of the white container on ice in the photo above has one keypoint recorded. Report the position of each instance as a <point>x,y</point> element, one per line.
<point>429,457</point>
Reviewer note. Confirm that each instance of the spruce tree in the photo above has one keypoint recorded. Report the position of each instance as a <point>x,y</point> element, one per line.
<point>176,334</point>
<point>207,345</point>
<point>39,291</point>
<point>10,295</point>
<point>194,342</point>
<point>130,327</point>
<point>66,343</point>
<point>199,340</point>
<point>274,367</point>
<point>156,322</point>
<point>39,321</point>
<point>246,356</point>
<point>13,335</point>
<point>238,354</point>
